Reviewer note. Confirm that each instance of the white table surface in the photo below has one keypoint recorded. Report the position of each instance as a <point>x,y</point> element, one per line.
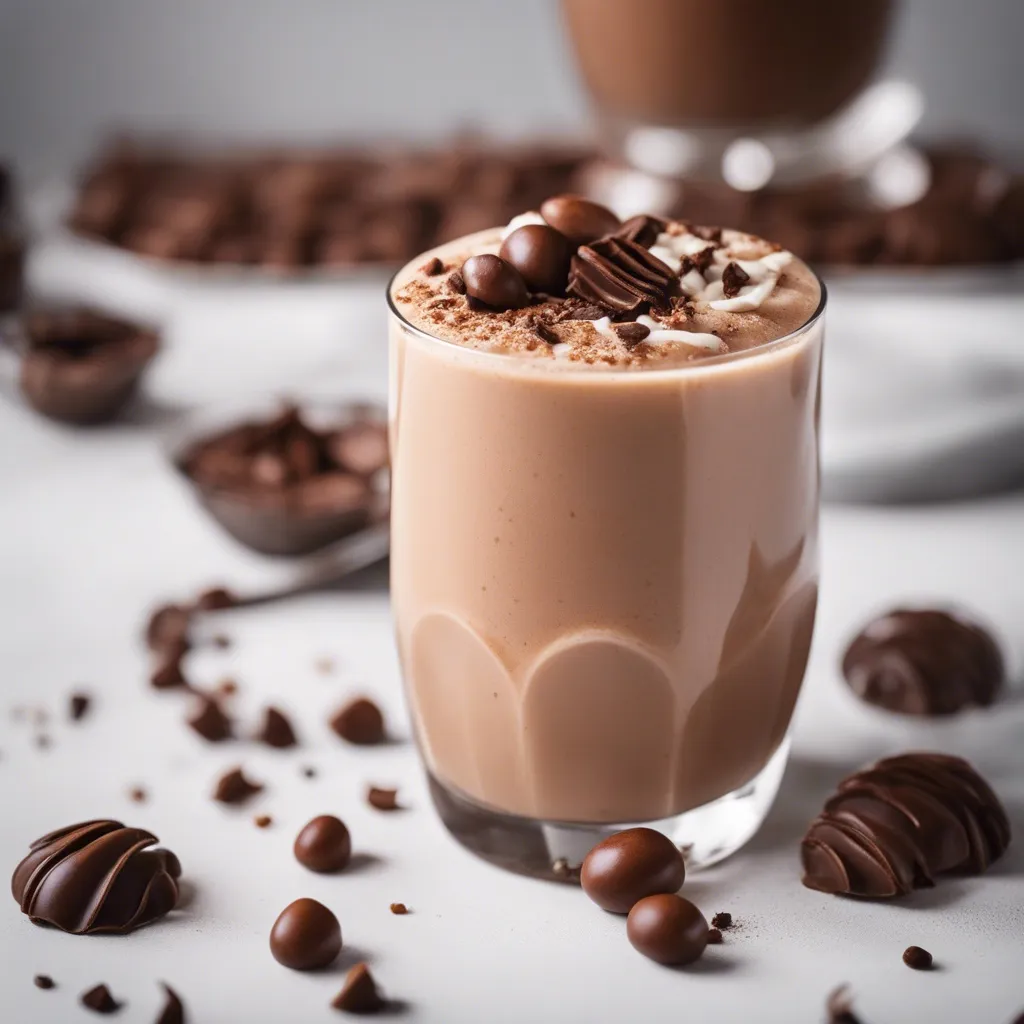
<point>94,529</point>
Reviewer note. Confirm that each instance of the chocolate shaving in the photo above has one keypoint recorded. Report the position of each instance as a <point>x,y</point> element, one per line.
<point>234,788</point>
<point>698,261</point>
<point>642,229</point>
<point>734,277</point>
<point>620,274</point>
<point>631,334</point>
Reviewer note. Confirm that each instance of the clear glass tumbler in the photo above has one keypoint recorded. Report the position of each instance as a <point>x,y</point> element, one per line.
<point>604,585</point>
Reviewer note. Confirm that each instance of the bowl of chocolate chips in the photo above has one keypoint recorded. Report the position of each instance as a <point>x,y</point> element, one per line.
<point>287,480</point>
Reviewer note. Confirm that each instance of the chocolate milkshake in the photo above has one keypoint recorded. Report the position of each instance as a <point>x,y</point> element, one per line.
<point>662,61</point>
<point>604,512</point>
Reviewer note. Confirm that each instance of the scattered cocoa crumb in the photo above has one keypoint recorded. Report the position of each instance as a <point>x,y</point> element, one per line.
<point>221,641</point>
<point>399,908</point>
<point>561,868</point>
<point>78,706</point>
<point>382,799</point>
<point>325,666</point>
<point>457,283</point>
<point>138,795</point>
<point>44,981</point>
<point>723,919</point>
<point>216,599</point>
<point>263,821</point>
<point>99,1000</point>
<point>227,687</point>
<point>432,267</point>
<point>309,772</point>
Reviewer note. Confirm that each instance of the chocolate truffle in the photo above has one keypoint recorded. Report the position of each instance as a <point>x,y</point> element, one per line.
<point>97,876</point>
<point>924,663</point>
<point>630,865</point>
<point>359,994</point>
<point>578,219</point>
<point>360,721</point>
<point>668,929</point>
<point>323,844</point>
<point>305,936</point>
<point>899,824</point>
<point>494,282</point>
<point>541,254</point>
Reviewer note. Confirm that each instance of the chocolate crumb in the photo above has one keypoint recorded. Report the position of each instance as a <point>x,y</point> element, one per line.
<point>325,666</point>
<point>839,1006</point>
<point>173,1011</point>
<point>734,277</point>
<point>457,283</point>
<point>168,675</point>
<point>698,261</point>
<point>360,721</point>
<point>263,821</point>
<point>723,919</point>
<point>137,794</point>
<point>714,937</point>
<point>210,721</point>
<point>631,334</point>
<point>44,981</point>
<point>99,1000</point>
<point>399,908</point>
<point>220,641</point>
<point>227,687</point>
<point>545,333</point>
<point>78,706</point>
<point>433,267</point>
<point>215,599</point>
<point>359,993</point>
<point>277,730</point>
<point>234,788</point>
<point>168,627</point>
<point>917,958</point>
<point>382,799</point>
<point>309,772</point>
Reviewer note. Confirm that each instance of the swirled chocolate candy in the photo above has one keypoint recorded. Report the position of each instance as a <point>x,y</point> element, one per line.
<point>97,876</point>
<point>899,824</point>
<point>924,663</point>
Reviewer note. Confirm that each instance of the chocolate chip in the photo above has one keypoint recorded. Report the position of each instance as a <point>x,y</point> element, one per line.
<point>580,220</point>
<point>276,730</point>
<point>234,788</point>
<point>432,267</point>
<point>714,937</point>
<point>209,720</point>
<point>173,1011</point>
<point>309,772</point>
<point>360,721</point>
<point>382,799</point>
<point>630,865</point>
<point>917,958</point>
<point>227,687</point>
<point>99,1000</point>
<point>399,908</point>
<point>457,283</point>
<point>699,261</point>
<point>667,928</point>
<point>723,919</point>
<point>44,981</point>
<point>734,277</point>
<point>545,333</point>
<point>263,821</point>
<point>494,282</point>
<point>631,333</point>
<point>78,706</point>
<point>359,994</point>
<point>541,255</point>
<point>306,936</point>
<point>323,844</point>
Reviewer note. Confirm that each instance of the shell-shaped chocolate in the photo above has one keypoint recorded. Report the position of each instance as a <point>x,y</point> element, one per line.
<point>924,663</point>
<point>897,825</point>
<point>620,274</point>
<point>96,876</point>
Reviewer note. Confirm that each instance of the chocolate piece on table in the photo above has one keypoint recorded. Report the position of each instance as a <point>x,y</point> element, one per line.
<point>359,994</point>
<point>734,277</point>
<point>215,599</point>
<point>305,936</point>
<point>578,219</point>
<point>173,1011</point>
<point>169,673</point>
<point>209,720</point>
<point>78,706</point>
<point>382,799</point>
<point>541,255</point>
<point>631,333</point>
<point>924,663</point>
<point>456,282</point>
<point>276,730</point>
<point>234,788</point>
<point>433,266</point>
<point>620,274</point>
<point>917,958</point>
<point>82,367</point>
<point>723,919</point>
<point>642,229</point>
<point>668,929</point>
<point>899,824</point>
<point>168,628</point>
<point>359,721</point>
<point>323,844</point>
<point>399,909</point>
<point>494,282</point>
<point>309,772</point>
<point>44,981</point>
<point>839,1007</point>
<point>630,865</point>
<point>714,937</point>
<point>97,876</point>
<point>99,1000</point>
<point>263,821</point>
<point>137,795</point>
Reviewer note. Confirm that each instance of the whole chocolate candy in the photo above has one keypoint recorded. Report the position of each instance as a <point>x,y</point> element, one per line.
<point>668,929</point>
<point>630,865</point>
<point>324,844</point>
<point>580,220</point>
<point>541,254</point>
<point>494,282</point>
<point>305,936</point>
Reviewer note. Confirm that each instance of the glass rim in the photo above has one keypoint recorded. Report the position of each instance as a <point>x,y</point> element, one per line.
<point>541,365</point>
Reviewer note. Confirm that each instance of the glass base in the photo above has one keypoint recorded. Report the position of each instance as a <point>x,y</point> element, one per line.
<point>554,850</point>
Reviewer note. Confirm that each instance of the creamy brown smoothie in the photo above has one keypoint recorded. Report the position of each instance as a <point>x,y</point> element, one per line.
<point>604,510</point>
<point>705,63</point>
